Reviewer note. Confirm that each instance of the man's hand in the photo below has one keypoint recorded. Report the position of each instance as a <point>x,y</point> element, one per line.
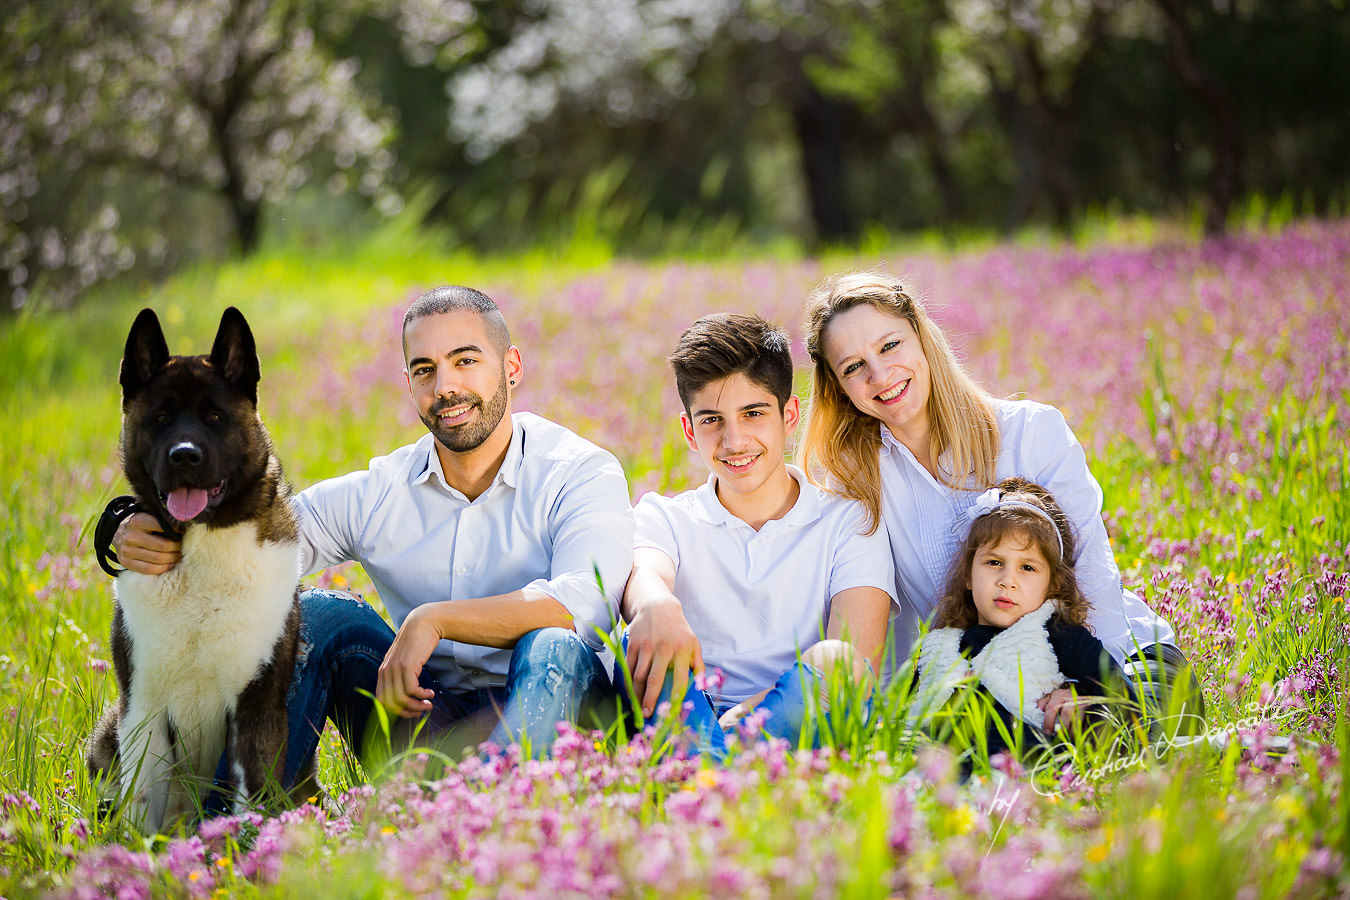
<point>141,548</point>
<point>397,687</point>
<point>1062,710</point>
<point>659,640</point>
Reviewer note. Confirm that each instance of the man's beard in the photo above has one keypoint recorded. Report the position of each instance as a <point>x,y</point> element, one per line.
<point>461,438</point>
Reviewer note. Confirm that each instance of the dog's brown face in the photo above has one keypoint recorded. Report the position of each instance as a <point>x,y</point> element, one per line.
<point>192,443</point>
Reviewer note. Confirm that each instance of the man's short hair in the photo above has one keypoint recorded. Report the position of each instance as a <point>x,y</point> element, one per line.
<point>454,297</point>
<point>725,344</point>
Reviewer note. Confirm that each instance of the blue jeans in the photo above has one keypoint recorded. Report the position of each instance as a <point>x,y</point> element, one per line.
<point>784,709</point>
<point>554,677</point>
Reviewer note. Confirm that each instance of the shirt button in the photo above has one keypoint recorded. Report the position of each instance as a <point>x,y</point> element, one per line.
<point>462,570</point>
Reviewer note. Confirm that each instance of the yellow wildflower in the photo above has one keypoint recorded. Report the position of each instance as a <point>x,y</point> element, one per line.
<point>1290,849</point>
<point>1287,806</point>
<point>961,819</point>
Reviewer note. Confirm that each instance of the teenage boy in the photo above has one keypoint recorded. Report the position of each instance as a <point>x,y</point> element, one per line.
<point>483,539</point>
<point>757,569</point>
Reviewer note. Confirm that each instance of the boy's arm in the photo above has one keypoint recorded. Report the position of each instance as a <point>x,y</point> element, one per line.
<point>659,636</point>
<point>859,616</point>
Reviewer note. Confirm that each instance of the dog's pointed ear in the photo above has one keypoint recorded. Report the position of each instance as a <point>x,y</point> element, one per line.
<point>147,352</point>
<point>235,354</point>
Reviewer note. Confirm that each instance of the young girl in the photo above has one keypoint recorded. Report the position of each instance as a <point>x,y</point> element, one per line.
<point>1013,617</point>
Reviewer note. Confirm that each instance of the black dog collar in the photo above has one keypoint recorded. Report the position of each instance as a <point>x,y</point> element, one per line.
<point>118,510</point>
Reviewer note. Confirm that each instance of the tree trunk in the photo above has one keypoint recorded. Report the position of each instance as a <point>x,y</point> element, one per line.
<point>816,122</point>
<point>245,213</point>
<point>1019,128</point>
<point>1225,175</point>
<point>917,114</point>
<point>247,217</point>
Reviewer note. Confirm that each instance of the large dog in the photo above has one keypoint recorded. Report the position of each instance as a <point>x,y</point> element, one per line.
<point>204,653</point>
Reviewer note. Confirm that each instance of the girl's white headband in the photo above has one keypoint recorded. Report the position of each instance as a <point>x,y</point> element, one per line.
<point>992,499</point>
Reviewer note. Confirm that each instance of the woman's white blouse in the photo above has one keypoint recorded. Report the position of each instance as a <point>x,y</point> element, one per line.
<point>926,521</point>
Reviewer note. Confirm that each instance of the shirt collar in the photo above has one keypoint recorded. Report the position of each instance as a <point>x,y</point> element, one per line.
<point>508,473</point>
<point>805,511</point>
<point>891,445</point>
<point>888,441</point>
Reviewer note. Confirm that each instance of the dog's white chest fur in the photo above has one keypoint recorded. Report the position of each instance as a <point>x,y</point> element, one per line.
<point>201,632</point>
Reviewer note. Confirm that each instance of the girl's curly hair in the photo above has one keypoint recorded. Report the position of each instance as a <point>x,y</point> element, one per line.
<point>956,609</point>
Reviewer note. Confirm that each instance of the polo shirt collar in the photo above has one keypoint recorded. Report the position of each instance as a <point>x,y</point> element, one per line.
<point>805,511</point>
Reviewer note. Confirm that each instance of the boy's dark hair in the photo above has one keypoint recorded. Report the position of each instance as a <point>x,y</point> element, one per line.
<point>454,297</point>
<point>725,344</point>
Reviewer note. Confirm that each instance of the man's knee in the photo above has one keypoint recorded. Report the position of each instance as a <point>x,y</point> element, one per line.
<point>328,616</point>
<point>555,653</point>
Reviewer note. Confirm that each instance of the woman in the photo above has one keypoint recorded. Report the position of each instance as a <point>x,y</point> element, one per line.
<point>896,423</point>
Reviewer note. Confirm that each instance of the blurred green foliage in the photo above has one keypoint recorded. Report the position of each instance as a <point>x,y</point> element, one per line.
<point>650,128</point>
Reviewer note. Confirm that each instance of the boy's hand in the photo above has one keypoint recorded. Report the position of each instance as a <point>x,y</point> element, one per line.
<point>141,547</point>
<point>660,640</point>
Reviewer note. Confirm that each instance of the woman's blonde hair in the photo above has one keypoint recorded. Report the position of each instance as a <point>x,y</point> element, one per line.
<point>843,444</point>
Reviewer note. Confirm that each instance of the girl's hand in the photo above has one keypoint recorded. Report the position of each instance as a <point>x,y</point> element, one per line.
<point>1062,710</point>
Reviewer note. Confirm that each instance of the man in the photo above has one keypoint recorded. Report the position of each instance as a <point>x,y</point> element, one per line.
<point>483,539</point>
<point>757,569</point>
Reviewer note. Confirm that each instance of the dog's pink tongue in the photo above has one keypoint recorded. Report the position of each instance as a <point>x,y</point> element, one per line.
<point>185,504</point>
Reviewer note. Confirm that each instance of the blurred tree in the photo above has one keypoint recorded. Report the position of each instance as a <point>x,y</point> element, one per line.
<point>136,133</point>
<point>628,61</point>
<point>1033,54</point>
<point>890,64</point>
<point>1218,104</point>
<point>238,98</point>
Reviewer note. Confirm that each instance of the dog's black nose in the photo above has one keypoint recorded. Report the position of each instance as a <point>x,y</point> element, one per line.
<point>185,454</point>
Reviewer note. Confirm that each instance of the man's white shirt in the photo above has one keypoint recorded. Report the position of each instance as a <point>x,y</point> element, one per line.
<point>556,513</point>
<point>756,599</point>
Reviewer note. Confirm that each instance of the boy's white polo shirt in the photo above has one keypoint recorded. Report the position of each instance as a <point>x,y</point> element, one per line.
<point>755,599</point>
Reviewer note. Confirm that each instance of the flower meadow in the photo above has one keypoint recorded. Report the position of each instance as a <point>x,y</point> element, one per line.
<point>1209,382</point>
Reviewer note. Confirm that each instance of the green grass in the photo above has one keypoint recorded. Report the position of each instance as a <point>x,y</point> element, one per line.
<point>885,813</point>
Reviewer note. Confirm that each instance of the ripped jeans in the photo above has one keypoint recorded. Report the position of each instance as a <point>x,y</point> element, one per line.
<point>554,677</point>
<point>784,712</point>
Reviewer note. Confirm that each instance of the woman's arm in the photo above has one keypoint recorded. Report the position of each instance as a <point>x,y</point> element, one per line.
<point>1048,452</point>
